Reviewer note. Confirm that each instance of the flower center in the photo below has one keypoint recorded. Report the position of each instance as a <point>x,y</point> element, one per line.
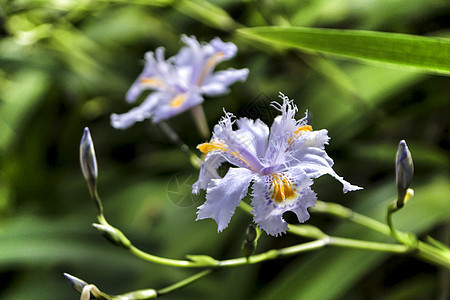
<point>153,82</point>
<point>178,100</point>
<point>282,188</point>
<point>210,64</point>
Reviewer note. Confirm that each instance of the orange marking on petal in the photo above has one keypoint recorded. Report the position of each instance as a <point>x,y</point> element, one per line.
<point>210,64</point>
<point>205,148</point>
<point>178,100</point>
<point>281,188</point>
<point>301,130</point>
<point>238,155</point>
<point>152,82</point>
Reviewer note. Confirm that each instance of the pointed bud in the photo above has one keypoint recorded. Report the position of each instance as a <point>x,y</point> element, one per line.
<point>76,283</point>
<point>404,169</point>
<point>114,235</point>
<point>88,161</point>
<point>249,245</point>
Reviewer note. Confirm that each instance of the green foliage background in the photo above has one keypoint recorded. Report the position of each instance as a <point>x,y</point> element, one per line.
<point>65,65</point>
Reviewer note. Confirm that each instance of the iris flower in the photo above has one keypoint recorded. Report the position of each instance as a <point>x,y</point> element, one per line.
<point>281,162</point>
<point>179,82</point>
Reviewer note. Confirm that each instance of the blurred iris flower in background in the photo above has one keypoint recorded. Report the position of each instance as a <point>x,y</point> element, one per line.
<point>180,82</point>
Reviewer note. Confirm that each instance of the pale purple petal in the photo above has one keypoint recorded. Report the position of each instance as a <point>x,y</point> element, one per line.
<point>218,82</point>
<point>208,171</point>
<point>268,213</point>
<point>282,130</point>
<point>229,49</point>
<point>191,59</point>
<point>255,133</point>
<point>137,114</point>
<point>316,138</point>
<point>224,195</point>
<point>166,110</point>
<point>316,162</point>
<point>157,69</point>
<point>240,153</point>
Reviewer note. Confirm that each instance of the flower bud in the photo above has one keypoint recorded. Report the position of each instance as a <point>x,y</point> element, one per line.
<point>249,245</point>
<point>89,167</point>
<point>251,234</point>
<point>404,169</point>
<point>75,282</point>
<point>88,161</point>
<point>114,235</point>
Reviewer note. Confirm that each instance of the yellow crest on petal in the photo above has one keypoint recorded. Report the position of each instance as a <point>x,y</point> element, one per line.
<point>282,188</point>
<point>212,145</point>
<point>178,100</point>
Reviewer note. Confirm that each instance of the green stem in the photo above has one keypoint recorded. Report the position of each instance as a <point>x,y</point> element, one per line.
<point>184,282</point>
<point>343,212</point>
<point>245,207</point>
<point>365,245</point>
<point>418,248</point>
<point>431,254</point>
<point>161,260</point>
<point>392,208</point>
<point>273,254</point>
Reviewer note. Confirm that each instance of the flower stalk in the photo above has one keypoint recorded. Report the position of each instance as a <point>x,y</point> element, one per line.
<point>198,114</point>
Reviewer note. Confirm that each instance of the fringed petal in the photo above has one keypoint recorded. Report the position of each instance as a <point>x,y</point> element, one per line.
<point>224,195</point>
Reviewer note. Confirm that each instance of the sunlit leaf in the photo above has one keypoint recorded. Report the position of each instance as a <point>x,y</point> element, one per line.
<point>207,13</point>
<point>411,52</point>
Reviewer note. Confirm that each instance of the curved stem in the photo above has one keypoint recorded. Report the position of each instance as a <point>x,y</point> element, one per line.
<point>183,283</point>
<point>161,260</point>
<point>343,212</point>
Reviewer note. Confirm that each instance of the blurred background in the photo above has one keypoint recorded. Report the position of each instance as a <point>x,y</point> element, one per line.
<point>65,65</point>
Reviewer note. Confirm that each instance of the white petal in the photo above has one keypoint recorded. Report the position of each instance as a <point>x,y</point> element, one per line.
<point>223,196</point>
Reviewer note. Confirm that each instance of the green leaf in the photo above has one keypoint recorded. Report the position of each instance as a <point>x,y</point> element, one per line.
<point>417,53</point>
<point>19,98</point>
<point>207,13</point>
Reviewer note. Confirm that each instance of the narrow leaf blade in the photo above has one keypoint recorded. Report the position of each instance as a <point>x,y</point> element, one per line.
<point>417,53</point>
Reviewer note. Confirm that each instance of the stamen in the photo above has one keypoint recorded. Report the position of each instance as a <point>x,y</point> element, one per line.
<point>281,188</point>
<point>213,145</point>
<point>153,82</point>
<point>178,100</point>
<point>210,64</point>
